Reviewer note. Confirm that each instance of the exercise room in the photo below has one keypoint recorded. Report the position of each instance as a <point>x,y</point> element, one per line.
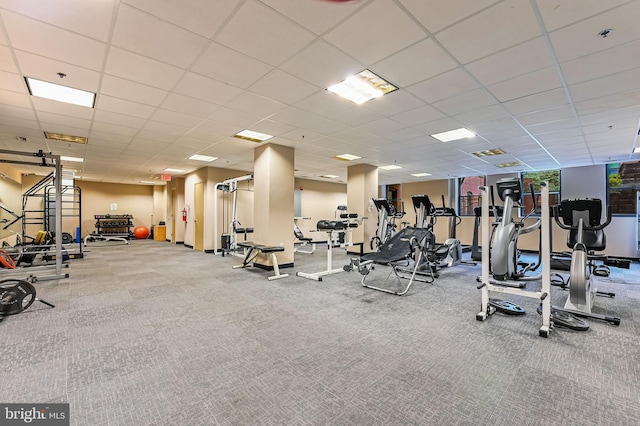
<point>319,212</point>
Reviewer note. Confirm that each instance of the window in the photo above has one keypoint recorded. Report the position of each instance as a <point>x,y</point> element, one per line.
<point>623,181</point>
<point>469,194</point>
<point>527,178</point>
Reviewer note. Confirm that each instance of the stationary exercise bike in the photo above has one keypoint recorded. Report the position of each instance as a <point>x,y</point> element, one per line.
<point>581,217</point>
<point>506,268</point>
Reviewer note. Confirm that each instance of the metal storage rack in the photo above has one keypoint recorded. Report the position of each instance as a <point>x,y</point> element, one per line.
<point>114,225</point>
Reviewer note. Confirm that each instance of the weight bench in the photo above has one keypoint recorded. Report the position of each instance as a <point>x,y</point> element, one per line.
<point>254,250</point>
<point>303,241</point>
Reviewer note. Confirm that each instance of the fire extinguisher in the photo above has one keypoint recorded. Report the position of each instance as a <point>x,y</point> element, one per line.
<point>184,215</point>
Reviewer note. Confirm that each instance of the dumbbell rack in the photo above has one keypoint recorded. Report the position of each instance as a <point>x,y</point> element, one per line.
<point>118,225</point>
<point>115,227</point>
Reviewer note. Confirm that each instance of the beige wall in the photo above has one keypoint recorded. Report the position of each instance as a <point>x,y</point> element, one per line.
<point>434,189</point>
<point>319,202</point>
<point>97,197</point>
<point>10,196</point>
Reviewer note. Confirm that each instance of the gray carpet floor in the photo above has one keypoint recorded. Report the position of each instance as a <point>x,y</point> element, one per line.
<point>157,334</point>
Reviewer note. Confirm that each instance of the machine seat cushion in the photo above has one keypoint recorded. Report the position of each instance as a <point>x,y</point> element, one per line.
<point>330,225</point>
<point>398,247</point>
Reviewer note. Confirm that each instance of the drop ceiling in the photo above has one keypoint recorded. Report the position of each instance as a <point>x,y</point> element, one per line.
<point>176,78</point>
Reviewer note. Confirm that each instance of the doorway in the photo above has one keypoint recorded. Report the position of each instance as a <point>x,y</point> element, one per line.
<point>198,222</point>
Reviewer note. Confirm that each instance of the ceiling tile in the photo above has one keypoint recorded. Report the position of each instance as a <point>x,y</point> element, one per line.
<point>607,62</point>
<point>237,118</point>
<point>560,14</point>
<point>255,104</point>
<point>224,64</point>
<point>472,100</point>
<point>260,32</point>
<point>377,28</point>
<point>608,85</point>
<point>394,103</point>
<point>122,63</point>
<point>283,87</point>
<point>316,16</point>
<point>149,36</point>
<point>522,27</point>
<point>582,38</point>
<point>322,64</point>
<point>119,119</point>
<point>206,89</point>
<point>444,86</point>
<point>427,60</point>
<point>418,116</point>
<point>187,105</point>
<point>537,101</point>
<point>6,61</point>
<point>436,14</point>
<point>121,106</point>
<point>547,115</point>
<point>53,42</point>
<point>131,91</point>
<point>527,84</point>
<point>91,19</point>
<point>324,103</point>
<point>512,62</point>
<point>175,118</point>
<point>210,16</point>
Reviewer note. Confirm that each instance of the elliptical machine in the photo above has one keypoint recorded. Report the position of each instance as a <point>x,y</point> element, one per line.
<point>387,227</point>
<point>439,255</point>
<point>506,268</point>
<point>581,217</point>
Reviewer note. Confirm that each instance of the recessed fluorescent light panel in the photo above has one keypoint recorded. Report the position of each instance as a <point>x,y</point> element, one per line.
<point>420,174</point>
<point>66,138</point>
<point>252,136</point>
<point>510,164</point>
<point>454,135</point>
<point>56,92</point>
<point>362,87</point>
<point>74,159</point>
<point>390,167</point>
<point>148,182</point>
<point>489,152</point>
<point>329,176</point>
<point>172,170</point>
<point>199,157</point>
<point>347,157</point>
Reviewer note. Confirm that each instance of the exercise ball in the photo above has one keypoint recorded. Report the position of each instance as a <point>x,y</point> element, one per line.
<point>141,232</point>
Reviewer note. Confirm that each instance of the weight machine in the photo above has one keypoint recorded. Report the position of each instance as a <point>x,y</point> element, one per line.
<point>231,228</point>
<point>45,160</point>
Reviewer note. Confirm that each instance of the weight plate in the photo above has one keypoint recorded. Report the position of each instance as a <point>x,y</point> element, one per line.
<point>507,307</point>
<point>15,296</point>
